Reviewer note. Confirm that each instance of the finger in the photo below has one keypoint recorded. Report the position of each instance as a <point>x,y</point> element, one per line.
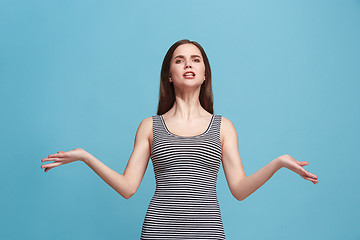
<point>52,159</point>
<point>51,165</point>
<point>310,175</point>
<point>305,173</point>
<point>47,159</point>
<point>60,151</point>
<point>47,169</point>
<point>311,179</point>
<point>58,155</point>
<point>303,163</point>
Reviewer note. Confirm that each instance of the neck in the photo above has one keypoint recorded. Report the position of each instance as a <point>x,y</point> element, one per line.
<point>187,105</point>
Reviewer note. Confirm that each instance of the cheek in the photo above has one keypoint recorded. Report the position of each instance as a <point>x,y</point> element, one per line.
<point>174,70</point>
<point>202,69</point>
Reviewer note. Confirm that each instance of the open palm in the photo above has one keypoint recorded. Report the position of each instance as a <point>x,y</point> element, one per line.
<point>297,166</point>
<point>62,157</point>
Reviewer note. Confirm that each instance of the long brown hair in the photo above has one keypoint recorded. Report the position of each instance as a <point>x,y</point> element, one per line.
<point>167,92</point>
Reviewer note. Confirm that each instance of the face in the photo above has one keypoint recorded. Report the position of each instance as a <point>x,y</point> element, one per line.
<point>187,66</point>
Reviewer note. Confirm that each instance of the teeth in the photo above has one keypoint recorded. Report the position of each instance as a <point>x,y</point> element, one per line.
<point>189,74</point>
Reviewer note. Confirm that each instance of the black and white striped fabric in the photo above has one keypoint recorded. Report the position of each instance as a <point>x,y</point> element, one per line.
<point>185,204</point>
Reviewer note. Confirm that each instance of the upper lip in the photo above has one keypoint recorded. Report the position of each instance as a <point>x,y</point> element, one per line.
<point>189,72</point>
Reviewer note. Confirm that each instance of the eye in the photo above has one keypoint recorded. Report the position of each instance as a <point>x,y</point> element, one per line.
<point>197,60</point>
<point>178,61</point>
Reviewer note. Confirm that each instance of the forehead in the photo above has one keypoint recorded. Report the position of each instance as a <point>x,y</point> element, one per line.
<point>187,49</point>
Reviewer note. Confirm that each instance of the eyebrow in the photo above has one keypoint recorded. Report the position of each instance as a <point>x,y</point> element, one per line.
<point>182,56</point>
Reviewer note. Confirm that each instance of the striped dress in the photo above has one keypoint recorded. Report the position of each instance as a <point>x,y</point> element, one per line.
<point>185,204</point>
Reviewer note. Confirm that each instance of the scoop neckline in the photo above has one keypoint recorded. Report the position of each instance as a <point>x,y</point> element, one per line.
<point>199,135</point>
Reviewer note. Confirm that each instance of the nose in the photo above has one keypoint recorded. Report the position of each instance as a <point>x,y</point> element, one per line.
<point>187,65</point>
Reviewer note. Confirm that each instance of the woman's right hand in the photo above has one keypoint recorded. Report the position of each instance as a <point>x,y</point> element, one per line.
<point>62,157</point>
<point>289,162</point>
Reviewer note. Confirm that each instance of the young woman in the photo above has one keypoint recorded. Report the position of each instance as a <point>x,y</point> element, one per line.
<point>186,143</point>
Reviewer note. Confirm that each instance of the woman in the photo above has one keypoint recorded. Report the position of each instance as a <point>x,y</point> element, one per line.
<point>186,143</point>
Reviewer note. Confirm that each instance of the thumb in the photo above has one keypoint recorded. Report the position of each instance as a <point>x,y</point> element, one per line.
<point>60,151</point>
<point>303,163</point>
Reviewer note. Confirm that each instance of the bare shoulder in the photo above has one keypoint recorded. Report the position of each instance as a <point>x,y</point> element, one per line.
<point>147,121</point>
<point>145,126</point>
<point>145,129</point>
<point>227,129</point>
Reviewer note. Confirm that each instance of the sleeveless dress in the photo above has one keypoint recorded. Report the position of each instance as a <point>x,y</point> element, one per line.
<point>185,204</point>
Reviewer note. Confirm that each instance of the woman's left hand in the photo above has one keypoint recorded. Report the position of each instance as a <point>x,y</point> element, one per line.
<point>296,166</point>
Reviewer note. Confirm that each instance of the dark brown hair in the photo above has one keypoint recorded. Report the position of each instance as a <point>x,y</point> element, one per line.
<point>167,92</point>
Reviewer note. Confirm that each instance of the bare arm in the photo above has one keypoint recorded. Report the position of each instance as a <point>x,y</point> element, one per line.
<point>242,186</point>
<point>115,180</point>
<point>125,184</point>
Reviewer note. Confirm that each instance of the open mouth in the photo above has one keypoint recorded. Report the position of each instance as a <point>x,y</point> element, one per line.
<point>189,74</point>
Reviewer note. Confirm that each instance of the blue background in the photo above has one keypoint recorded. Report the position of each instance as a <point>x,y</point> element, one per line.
<point>85,73</point>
